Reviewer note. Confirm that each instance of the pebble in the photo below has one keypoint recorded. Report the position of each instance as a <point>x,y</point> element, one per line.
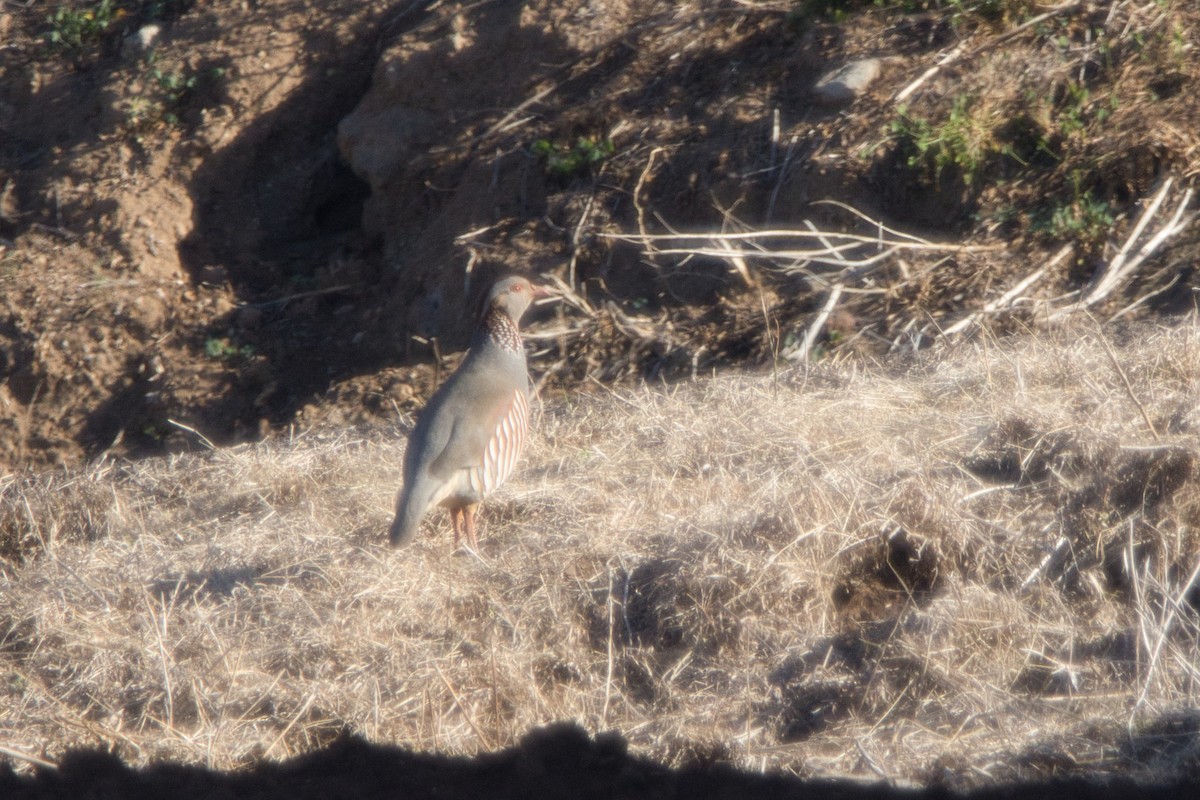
<point>847,82</point>
<point>139,43</point>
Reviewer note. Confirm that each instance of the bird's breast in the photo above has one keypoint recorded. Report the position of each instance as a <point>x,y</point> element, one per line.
<point>504,447</point>
<point>472,484</point>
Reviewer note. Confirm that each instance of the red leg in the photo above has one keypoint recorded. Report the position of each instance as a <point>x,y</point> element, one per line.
<point>456,519</point>
<point>469,519</point>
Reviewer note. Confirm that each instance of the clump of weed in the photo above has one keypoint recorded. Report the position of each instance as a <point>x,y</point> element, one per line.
<point>73,28</point>
<point>567,161</point>
<point>1076,109</point>
<point>836,11</point>
<point>964,141</point>
<point>1082,218</point>
<point>223,349</point>
<point>832,10</point>
<point>170,94</point>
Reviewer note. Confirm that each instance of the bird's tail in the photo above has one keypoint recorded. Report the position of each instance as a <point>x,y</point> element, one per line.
<point>410,510</point>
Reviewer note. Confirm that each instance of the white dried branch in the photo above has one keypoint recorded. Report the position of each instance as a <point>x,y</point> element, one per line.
<point>960,53</point>
<point>870,220</point>
<point>804,350</point>
<point>739,263</point>
<point>568,295</point>
<point>835,246</point>
<point>1010,297</point>
<point>1121,268</point>
<point>1109,277</point>
<point>1062,546</point>
<point>1164,631</point>
<point>775,233</point>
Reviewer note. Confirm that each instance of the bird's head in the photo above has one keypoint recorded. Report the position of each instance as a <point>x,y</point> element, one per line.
<point>513,295</point>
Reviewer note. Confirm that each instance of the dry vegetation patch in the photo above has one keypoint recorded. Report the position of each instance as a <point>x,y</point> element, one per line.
<point>976,566</point>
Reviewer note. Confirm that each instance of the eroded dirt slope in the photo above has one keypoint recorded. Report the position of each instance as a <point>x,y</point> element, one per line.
<point>270,214</point>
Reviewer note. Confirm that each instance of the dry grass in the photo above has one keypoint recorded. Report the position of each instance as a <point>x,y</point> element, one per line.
<point>971,567</point>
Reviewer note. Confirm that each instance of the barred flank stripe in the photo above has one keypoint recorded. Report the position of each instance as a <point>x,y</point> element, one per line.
<point>503,448</point>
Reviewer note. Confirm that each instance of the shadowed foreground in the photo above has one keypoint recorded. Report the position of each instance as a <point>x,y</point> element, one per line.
<point>555,761</point>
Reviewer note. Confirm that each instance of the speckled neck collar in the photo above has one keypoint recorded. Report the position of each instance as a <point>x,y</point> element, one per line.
<point>499,328</point>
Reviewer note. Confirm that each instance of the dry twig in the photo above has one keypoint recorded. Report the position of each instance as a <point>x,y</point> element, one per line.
<point>1121,267</point>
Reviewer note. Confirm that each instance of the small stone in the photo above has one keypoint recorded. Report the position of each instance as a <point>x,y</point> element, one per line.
<point>139,43</point>
<point>847,82</point>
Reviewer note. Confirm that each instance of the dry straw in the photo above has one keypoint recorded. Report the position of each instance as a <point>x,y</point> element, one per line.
<point>971,566</point>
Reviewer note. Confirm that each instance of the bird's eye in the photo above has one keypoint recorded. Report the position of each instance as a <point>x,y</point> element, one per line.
<point>517,288</point>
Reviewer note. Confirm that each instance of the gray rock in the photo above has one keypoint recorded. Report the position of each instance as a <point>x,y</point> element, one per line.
<point>377,143</point>
<point>139,43</point>
<point>847,82</point>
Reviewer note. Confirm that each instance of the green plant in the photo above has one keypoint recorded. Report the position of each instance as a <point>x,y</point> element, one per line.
<point>180,87</point>
<point>1179,44</point>
<point>1070,118</point>
<point>1004,215</point>
<point>224,350</point>
<point>837,11</point>
<point>1078,109</point>
<point>175,85</point>
<point>964,141</point>
<point>71,29</point>
<point>141,112</point>
<point>172,92</point>
<point>154,431</point>
<point>834,10</point>
<point>1022,139</point>
<point>16,683</point>
<point>566,161</point>
<point>1085,219</point>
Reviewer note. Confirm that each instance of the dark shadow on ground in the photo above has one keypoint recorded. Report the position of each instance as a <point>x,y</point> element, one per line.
<point>559,761</point>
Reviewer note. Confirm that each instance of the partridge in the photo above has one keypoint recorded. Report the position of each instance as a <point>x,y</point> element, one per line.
<point>470,434</point>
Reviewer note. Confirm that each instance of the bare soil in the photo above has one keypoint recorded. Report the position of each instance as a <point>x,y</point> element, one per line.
<point>190,240</point>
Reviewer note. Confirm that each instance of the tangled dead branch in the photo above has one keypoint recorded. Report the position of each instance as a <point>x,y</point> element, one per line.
<point>1117,272</point>
<point>854,253</point>
<point>847,261</point>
